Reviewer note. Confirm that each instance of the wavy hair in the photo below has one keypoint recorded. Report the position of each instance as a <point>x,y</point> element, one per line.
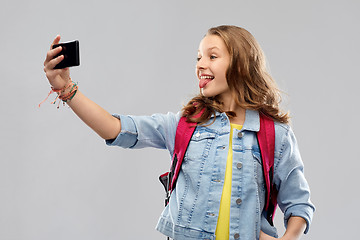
<point>251,85</point>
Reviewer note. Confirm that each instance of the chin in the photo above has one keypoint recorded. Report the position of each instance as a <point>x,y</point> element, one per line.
<point>204,93</point>
<point>207,93</point>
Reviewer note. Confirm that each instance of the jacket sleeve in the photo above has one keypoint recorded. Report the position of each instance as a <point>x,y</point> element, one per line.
<point>157,130</point>
<point>293,189</point>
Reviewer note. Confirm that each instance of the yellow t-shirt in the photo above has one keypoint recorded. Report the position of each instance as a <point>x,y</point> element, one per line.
<point>223,224</point>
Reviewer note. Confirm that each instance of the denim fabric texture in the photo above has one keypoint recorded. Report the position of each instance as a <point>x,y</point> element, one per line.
<point>192,212</point>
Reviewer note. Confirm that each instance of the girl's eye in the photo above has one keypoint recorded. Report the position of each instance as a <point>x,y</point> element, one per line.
<point>213,57</point>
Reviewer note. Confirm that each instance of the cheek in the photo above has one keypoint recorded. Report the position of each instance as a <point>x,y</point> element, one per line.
<point>222,69</point>
<point>224,83</point>
<point>222,73</point>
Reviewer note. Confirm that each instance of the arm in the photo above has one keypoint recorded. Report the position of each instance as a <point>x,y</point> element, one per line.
<point>296,227</point>
<point>99,120</point>
<point>293,189</point>
<point>104,124</point>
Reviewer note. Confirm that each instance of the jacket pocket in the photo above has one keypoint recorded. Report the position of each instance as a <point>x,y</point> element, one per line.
<point>199,145</point>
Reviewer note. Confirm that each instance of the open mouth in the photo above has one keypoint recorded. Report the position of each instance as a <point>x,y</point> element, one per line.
<point>205,79</point>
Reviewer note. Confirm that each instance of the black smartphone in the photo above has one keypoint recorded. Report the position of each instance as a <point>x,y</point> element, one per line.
<point>70,50</point>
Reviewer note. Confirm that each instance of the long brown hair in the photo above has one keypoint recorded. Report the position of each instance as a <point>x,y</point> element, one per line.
<point>251,85</point>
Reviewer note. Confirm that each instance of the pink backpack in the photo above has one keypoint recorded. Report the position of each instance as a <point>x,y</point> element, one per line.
<point>266,139</point>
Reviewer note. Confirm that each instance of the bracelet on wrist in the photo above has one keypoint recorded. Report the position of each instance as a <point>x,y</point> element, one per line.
<point>63,94</point>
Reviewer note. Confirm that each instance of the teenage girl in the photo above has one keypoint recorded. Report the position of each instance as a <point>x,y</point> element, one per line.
<point>220,192</point>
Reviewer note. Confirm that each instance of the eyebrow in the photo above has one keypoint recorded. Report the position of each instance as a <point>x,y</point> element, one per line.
<point>211,48</point>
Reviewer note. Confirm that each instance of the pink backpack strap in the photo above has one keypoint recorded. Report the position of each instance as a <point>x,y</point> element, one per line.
<point>266,139</point>
<point>184,132</point>
<point>183,136</point>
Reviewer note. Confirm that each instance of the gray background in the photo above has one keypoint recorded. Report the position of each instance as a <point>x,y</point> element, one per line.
<point>58,180</point>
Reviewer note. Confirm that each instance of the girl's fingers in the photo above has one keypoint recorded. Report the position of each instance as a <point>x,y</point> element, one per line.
<point>52,63</point>
<point>51,54</point>
<point>264,236</point>
<point>56,77</point>
<point>56,41</point>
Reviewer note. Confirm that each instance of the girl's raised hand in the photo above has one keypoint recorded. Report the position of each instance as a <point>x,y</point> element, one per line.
<point>58,78</point>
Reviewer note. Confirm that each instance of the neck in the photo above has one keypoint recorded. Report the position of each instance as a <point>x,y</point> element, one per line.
<point>229,104</point>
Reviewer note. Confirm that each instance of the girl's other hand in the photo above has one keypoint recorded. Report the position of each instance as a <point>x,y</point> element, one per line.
<point>264,236</point>
<point>58,78</point>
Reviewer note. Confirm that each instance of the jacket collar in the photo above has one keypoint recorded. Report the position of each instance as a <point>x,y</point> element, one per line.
<point>252,120</point>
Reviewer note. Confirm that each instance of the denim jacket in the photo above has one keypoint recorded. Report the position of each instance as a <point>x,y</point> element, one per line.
<point>193,209</point>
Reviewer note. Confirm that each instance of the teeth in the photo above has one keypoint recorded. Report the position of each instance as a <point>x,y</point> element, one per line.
<point>204,77</point>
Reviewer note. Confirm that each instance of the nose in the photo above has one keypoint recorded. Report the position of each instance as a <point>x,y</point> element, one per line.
<point>201,64</point>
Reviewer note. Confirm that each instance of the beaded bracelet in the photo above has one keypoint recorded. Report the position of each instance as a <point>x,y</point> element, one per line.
<point>64,97</point>
<point>69,95</point>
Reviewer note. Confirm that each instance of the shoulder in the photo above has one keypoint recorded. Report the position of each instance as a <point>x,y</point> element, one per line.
<point>281,128</point>
<point>284,137</point>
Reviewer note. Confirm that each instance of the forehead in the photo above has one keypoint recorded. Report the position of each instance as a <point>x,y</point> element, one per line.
<point>210,42</point>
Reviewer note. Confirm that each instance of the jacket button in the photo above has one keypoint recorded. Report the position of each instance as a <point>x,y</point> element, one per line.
<point>239,165</point>
<point>238,201</point>
<point>240,134</point>
<point>236,236</point>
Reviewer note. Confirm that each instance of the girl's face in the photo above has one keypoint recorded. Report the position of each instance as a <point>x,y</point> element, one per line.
<point>213,62</point>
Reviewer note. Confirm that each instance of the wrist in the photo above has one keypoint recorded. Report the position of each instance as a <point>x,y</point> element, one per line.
<point>65,94</point>
<point>63,90</point>
<point>68,92</point>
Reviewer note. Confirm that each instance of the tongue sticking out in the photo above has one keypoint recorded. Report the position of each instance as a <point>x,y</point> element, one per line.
<point>203,82</point>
